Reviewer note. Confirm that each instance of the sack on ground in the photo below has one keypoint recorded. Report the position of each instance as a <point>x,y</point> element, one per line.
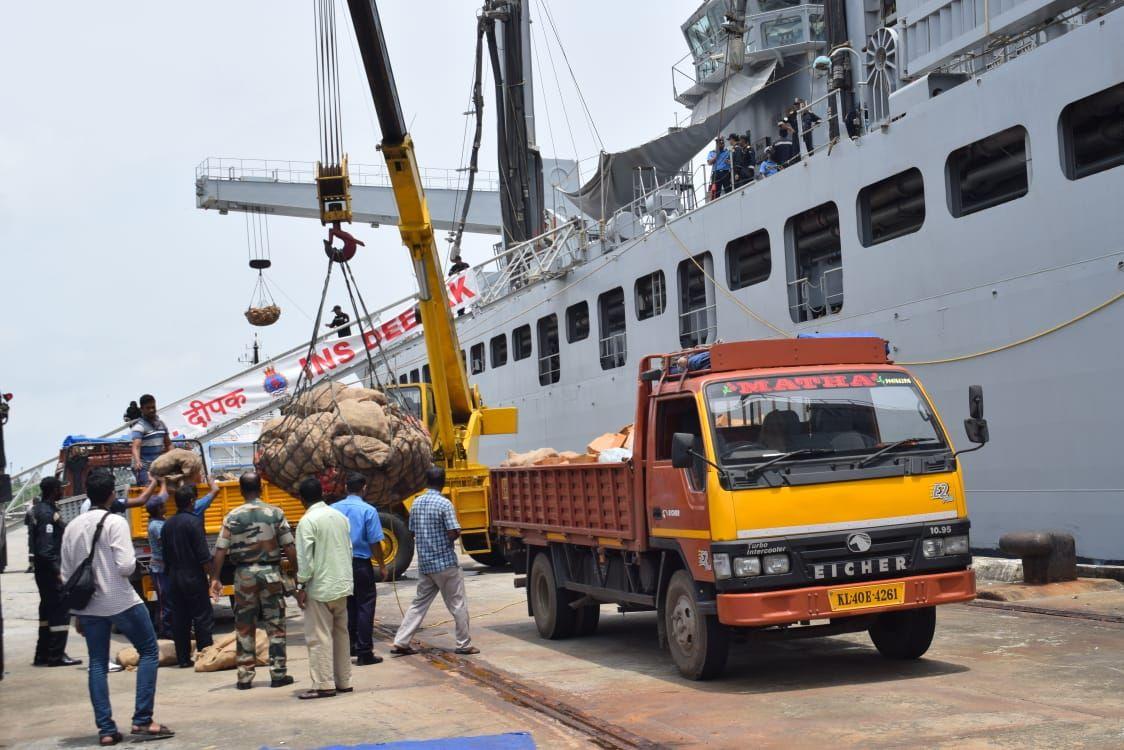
<point>223,654</point>
<point>129,658</point>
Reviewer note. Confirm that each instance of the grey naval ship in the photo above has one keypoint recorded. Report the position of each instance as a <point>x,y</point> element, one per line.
<point>960,199</point>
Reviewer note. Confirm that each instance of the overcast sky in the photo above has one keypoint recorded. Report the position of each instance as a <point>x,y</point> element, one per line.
<point>114,284</point>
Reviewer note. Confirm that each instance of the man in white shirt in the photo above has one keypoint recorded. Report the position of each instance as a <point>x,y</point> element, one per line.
<point>114,603</point>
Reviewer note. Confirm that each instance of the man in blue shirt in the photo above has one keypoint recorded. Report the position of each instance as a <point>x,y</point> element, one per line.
<point>366,544</point>
<point>434,523</point>
<point>719,161</point>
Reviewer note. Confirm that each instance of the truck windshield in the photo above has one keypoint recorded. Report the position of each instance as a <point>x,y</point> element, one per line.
<point>851,413</point>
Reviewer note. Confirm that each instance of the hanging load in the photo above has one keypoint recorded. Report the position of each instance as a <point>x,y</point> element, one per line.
<point>331,430</point>
<point>263,311</point>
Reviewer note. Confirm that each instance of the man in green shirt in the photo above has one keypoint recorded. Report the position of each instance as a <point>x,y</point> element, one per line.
<point>324,581</point>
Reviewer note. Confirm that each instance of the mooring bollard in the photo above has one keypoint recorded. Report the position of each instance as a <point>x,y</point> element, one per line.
<point>1047,556</point>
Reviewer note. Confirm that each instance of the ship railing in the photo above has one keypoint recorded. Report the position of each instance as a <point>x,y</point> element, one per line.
<point>698,326</point>
<point>816,296</point>
<point>550,366</point>
<point>25,488</point>
<point>614,350</point>
<point>821,107</point>
<point>650,209</point>
<point>549,255</point>
<point>371,175</point>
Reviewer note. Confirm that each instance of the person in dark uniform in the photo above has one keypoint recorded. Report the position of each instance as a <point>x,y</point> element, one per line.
<point>340,323</point>
<point>187,565</point>
<point>44,534</point>
<point>458,265</point>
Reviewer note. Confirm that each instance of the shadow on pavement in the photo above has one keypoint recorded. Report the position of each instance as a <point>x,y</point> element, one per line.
<point>754,667</point>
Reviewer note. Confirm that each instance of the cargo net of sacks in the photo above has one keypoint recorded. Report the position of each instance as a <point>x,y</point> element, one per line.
<point>331,430</point>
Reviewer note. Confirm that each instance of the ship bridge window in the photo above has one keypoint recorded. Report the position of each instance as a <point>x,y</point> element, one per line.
<point>1092,131</point>
<point>414,376</point>
<point>550,367</point>
<point>404,378</point>
<point>748,260</point>
<point>521,343</point>
<point>891,207</point>
<point>476,357</point>
<point>988,172</point>
<point>698,323</point>
<point>425,374</point>
<point>498,345</point>
<point>651,295</point>
<point>815,263</point>
<point>611,321</point>
<point>577,322</point>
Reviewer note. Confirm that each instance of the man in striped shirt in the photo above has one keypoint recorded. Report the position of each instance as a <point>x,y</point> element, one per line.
<point>150,438</point>
<point>434,523</point>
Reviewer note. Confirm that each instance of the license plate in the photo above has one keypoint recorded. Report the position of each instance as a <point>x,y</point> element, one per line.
<point>863,597</point>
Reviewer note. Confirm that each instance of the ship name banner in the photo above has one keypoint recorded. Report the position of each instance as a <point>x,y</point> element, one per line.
<point>271,383</point>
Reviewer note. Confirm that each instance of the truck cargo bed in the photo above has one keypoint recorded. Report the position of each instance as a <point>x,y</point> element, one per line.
<point>593,504</point>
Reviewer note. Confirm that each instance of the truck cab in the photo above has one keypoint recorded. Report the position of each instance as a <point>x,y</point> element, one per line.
<point>794,486</point>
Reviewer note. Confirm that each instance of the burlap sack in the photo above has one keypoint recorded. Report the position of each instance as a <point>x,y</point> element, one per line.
<point>362,394</point>
<point>223,654</point>
<point>176,467</point>
<point>361,418</point>
<point>360,453</point>
<point>317,399</point>
<point>529,458</point>
<point>129,658</point>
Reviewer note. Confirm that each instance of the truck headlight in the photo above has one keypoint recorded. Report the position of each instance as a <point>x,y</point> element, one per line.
<point>744,567</point>
<point>932,547</point>
<point>956,545</point>
<point>775,564</point>
<point>721,565</point>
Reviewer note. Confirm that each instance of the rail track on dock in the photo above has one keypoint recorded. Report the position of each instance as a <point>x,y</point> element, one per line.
<point>1051,612</point>
<point>600,732</point>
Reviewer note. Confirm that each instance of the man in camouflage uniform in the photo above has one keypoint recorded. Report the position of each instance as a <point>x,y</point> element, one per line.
<point>254,536</point>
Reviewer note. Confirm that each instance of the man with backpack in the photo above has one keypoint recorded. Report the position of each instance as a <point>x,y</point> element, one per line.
<point>100,540</point>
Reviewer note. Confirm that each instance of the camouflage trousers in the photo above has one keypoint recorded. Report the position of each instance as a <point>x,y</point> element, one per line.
<point>259,597</point>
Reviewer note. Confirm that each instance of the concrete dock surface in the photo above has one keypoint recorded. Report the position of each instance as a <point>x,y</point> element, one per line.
<point>993,679</point>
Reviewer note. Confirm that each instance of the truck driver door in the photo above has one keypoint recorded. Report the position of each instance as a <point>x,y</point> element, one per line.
<point>676,497</point>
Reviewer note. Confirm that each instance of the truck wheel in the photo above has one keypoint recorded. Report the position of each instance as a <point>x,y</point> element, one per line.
<point>904,635</point>
<point>397,544</point>
<point>698,643</point>
<point>587,619</point>
<point>554,617</point>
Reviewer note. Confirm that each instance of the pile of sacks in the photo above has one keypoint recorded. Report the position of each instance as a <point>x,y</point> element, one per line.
<point>610,448</point>
<point>332,429</point>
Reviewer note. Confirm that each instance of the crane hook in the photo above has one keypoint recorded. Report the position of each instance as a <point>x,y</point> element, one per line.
<point>347,251</point>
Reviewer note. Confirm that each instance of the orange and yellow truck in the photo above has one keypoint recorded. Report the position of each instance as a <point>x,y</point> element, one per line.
<point>791,487</point>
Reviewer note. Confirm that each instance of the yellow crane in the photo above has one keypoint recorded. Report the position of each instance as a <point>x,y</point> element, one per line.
<point>448,403</point>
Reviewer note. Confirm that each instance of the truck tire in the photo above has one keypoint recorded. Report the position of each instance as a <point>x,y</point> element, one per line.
<point>587,619</point>
<point>397,544</point>
<point>554,617</point>
<point>698,643</point>
<point>906,634</point>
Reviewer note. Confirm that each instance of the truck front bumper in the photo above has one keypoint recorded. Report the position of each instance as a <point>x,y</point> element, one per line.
<point>813,603</point>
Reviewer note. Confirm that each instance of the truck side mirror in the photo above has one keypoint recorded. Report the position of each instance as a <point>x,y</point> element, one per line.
<point>976,429</point>
<point>975,402</point>
<point>682,443</point>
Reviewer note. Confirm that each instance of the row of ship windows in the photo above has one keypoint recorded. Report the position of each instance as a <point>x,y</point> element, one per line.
<point>980,175</point>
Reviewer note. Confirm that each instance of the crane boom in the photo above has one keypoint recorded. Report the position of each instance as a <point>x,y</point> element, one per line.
<point>454,399</point>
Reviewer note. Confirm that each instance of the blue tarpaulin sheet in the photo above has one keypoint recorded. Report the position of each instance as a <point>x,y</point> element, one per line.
<point>513,741</point>
<point>72,439</point>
